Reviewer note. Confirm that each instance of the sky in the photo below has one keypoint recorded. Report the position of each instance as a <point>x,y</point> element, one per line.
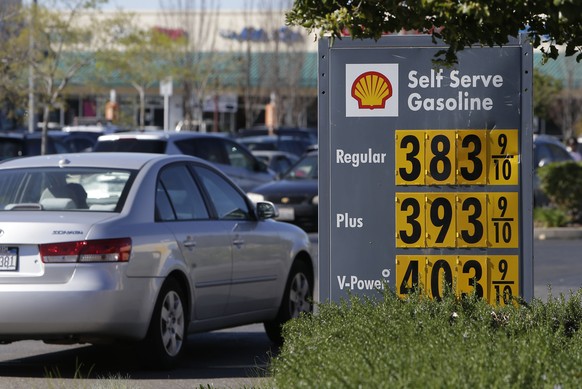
<point>137,5</point>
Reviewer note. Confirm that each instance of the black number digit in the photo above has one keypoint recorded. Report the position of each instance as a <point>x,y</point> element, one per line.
<point>473,156</point>
<point>502,205</point>
<point>411,219</point>
<point>411,276</point>
<point>474,281</point>
<point>444,221</point>
<point>411,156</point>
<point>435,277</point>
<point>503,267</point>
<point>507,294</point>
<point>473,202</point>
<point>440,158</point>
<point>502,142</point>
<point>505,232</point>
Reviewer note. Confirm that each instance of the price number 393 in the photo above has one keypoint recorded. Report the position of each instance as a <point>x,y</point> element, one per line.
<point>457,220</point>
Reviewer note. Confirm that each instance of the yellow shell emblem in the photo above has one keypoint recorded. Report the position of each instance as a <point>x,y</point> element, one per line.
<point>371,90</point>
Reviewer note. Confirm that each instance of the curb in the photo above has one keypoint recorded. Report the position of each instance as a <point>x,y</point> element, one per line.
<point>564,233</point>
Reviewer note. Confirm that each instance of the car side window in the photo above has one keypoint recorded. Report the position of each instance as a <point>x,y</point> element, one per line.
<point>239,157</point>
<point>227,201</point>
<point>178,196</point>
<point>209,149</point>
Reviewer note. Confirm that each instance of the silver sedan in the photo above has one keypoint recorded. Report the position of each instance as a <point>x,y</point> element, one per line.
<point>147,248</point>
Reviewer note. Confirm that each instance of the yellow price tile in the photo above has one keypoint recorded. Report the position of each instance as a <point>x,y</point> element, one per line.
<point>471,220</point>
<point>409,154</point>
<point>440,273</point>
<point>440,157</point>
<point>503,157</point>
<point>471,157</point>
<point>503,219</point>
<point>440,220</point>
<point>472,275</point>
<point>410,273</point>
<point>410,215</point>
<point>503,278</point>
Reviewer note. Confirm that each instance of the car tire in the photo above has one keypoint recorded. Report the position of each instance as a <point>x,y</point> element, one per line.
<point>297,299</point>
<point>167,333</point>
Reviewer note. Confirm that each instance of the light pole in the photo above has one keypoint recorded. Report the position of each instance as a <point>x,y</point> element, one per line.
<point>31,115</point>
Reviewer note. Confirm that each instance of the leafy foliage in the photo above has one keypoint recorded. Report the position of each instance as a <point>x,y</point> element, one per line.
<point>460,24</point>
<point>562,183</point>
<point>417,342</point>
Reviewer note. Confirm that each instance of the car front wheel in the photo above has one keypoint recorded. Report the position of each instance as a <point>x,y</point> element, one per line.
<point>297,299</point>
<point>166,335</point>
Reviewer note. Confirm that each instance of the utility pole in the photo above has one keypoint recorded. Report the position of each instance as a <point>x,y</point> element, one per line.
<point>31,108</point>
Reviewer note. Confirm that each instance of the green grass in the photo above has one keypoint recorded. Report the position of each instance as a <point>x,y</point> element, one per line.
<point>419,343</point>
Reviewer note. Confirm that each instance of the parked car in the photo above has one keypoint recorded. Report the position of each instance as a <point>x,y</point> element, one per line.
<point>295,194</point>
<point>547,149</point>
<point>288,143</point>
<point>144,248</point>
<point>225,153</point>
<point>307,133</point>
<point>277,161</point>
<point>20,144</point>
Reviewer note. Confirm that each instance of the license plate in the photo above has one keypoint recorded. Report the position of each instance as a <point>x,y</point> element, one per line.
<point>8,258</point>
<point>286,214</point>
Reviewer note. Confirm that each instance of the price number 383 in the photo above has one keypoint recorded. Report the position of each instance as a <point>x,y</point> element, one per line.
<point>456,157</point>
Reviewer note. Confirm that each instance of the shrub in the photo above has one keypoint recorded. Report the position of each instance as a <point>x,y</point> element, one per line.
<point>417,342</point>
<point>550,217</point>
<point>562,183</point>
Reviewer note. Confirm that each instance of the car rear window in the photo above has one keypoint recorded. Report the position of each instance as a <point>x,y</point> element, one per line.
<point>135,145</point>
<point>54,189</point>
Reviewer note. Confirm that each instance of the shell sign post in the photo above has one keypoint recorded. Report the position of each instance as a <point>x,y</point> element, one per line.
<point>425,172</point>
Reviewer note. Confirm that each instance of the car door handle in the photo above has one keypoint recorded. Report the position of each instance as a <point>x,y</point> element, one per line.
<point>238,242</point>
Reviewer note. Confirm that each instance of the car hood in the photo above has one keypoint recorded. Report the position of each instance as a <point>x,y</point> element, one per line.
<point>288,187</point>
<point>34,227</point>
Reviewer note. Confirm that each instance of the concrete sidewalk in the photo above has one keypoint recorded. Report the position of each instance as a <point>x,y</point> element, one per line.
<point>558,233</point>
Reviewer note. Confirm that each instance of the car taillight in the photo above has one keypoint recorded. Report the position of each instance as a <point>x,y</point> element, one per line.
<point>103,250</point>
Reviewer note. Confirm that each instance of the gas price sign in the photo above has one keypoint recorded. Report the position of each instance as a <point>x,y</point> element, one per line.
<point>433,163</point>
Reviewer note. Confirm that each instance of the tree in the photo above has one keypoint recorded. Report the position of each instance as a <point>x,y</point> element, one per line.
<point>546,91</point>
<point>64,41</point>
<point>139,58</point>
<point>549,23</point>
<point>272,58</point>
<point>192,59</point>
<point>13,57</point>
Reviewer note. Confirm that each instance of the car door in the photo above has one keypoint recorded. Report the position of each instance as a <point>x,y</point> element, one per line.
<point>258,252</point>
<point>204,243</point>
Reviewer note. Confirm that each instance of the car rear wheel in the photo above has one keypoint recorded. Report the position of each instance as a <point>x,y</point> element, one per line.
<point>166,335</point>
<point>297,299</point>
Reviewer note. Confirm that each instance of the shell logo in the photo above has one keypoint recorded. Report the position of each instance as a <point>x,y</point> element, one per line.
<point>371,90</point>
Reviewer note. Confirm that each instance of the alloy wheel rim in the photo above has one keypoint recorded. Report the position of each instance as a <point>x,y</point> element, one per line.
<point>299,295</point>
<point>172,323</point>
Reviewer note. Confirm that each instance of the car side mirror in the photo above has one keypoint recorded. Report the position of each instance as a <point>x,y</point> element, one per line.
<point>266,210</point>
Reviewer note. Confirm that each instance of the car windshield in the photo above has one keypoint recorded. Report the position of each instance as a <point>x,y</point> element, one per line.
<point>306,168</point>
<point>88,189</point>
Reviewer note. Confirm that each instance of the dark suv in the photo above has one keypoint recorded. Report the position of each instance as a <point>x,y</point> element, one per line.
<point>235,160</point>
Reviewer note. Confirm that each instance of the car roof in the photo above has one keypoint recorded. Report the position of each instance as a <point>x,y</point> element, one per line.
<point>105,159</point>
<point>546,138</point>
<point>159,135</point>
